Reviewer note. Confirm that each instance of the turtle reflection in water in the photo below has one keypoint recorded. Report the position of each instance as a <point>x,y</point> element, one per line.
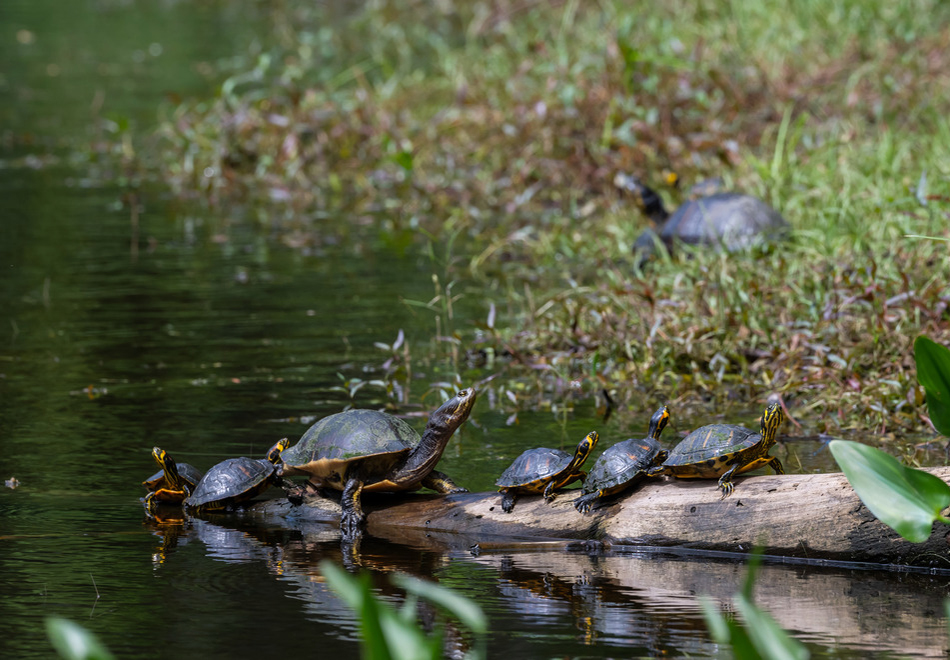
<point>367,450</point>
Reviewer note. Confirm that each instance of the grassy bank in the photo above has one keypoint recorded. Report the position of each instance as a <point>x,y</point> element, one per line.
<point>494,131</point>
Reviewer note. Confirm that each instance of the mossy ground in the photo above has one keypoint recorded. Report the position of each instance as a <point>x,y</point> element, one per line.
<point>493,132</point>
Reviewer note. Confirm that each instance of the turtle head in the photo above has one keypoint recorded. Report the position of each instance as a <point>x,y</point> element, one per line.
<point>452,414</point>
<point>659,421</point>
<point>169,465</point>
<point>273,454</point>
<point>772,420</point>
<point>160,456</point>
<point>645,197</point>
<point>585,448</point>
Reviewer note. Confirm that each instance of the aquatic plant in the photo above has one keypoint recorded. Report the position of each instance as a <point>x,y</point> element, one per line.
<point>74,642</point>
<point>390,634</point>
<point>758,636</point>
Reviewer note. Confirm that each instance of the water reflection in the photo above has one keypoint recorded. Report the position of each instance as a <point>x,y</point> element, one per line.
<point>576,596</point>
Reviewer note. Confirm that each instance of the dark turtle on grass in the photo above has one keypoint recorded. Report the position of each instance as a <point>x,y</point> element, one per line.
<point>724,451</point>
<point>624,464</point>
<point>543,470</point>
<point>172,483</point>
<point>732,221</point>
<point>367,450</point>
<point>236,480</point>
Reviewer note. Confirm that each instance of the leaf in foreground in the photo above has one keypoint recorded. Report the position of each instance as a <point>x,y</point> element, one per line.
<point>933,372</point>
<point>74,642</point>
<point>906,500</point>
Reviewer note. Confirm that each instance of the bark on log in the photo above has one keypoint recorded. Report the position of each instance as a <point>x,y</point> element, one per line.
<point>815,516</point>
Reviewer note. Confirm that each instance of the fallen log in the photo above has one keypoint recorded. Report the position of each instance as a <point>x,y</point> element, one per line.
<point>814,516</point>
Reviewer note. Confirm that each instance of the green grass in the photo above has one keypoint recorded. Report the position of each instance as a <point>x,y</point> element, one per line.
<point>499,127</point>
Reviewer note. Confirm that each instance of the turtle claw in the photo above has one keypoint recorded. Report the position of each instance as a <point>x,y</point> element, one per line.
<point>584,504</point>
<point>727,489</point>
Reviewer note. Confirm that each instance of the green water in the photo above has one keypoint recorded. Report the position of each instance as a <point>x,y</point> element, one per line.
<point>201,332</point>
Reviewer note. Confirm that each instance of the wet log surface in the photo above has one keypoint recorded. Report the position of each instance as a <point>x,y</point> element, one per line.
<point>815,516</point>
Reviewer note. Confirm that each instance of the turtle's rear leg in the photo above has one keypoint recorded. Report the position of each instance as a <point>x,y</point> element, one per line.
<point>442,483</point>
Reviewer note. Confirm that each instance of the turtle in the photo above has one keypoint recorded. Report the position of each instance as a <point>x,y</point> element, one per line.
<point>624,464</point>
<point>543,470</point>
<point>236,480</point>
<point>173,483</point>
<point>158,481</point>
<point>729,220</point>
<point>360,451</point>
<point>724,451</point>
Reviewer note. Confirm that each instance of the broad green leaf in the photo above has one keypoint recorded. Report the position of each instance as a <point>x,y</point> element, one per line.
<point>766,636</point>
<point>356,593</point>
<point>715,621</point>
<point>933,372</point>
<point>752,569</point>
<point>387,634</point>
<point>467,611</point>
<point>906,500</point>
<point>74,642</point>
<point>728,632</point>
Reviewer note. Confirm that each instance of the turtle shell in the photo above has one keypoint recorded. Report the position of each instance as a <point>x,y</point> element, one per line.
<point>328,448</point>
<point>186,471</point>
<point>534,467</point>
<point>710,446</point>
<point>231,482</point>
<point>623,463</point>
<point>733,220</point>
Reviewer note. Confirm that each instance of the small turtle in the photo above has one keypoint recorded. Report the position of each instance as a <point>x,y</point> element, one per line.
<point>624,464</point>
<point>367,450</point>
<point>729,220</point>
<point>172,483</point>
<point>543,470</point>
<point>160,482</point>
<point>236,480</point>
<point>724,451</point>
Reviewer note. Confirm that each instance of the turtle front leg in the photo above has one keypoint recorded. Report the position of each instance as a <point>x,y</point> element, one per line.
<point>507,500</point>
<point>549,493</point>
<point>442,483</point>
<point>725,482</point>
<point>353,518</point>
<point>776,465</point>
<point>584,503</point>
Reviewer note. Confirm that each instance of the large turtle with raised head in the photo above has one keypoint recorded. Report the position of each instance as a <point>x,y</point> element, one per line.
<point>367,450</point>
<point>543,470</point>
<point>724,451</point>
<point>624,464</point>
<point>729,220</point>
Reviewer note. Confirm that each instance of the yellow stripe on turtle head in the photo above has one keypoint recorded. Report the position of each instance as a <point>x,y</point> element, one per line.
<point>159,455</point>
<point>273,454</point>
<point>771,421</point>
<point>585,448</point>
<point>659,421</point>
